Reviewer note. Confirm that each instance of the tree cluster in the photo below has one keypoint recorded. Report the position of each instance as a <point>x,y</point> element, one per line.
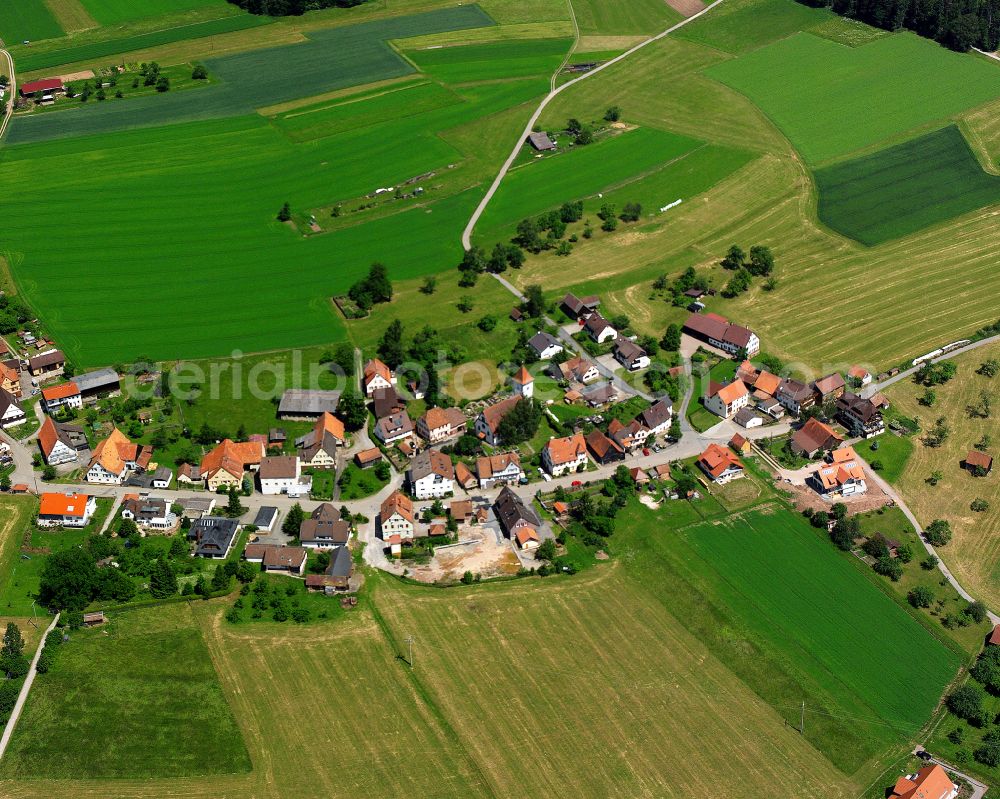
<point>935,374</point>
<point>372,289</point>
<point>759,264</point>
<point>520,423</point>
<point>958,25</point>
<point>291,8</point>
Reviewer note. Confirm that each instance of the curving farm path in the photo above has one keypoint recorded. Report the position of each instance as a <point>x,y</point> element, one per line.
<point>12,87</point>
<point>553,92</point>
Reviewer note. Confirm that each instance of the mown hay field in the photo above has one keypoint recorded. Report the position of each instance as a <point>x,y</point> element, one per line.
<point>830,100</point>
<point>117,12</point>
<point>902,189</point>
<point>974,552</point>
<point>27,19</point>
<point>136,698</point>
<point>611,18</point>
<point>559,669</point>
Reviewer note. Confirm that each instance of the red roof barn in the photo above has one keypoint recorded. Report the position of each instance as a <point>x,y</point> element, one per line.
<point>45,85</point>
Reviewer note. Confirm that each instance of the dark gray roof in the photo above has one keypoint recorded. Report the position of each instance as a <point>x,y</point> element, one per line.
<point>510,510</point>
<point>541,141</point>
<point>265,516</point>
<point>214,534</point>
<point>340,563</point>
<point>542,341</point>
<point>308,402</point>
<point>862,408</point>
<point>97,381</point>
<point>6,400</point>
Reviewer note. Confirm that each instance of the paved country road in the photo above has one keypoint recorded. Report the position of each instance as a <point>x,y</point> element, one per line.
<point>556,90</point>
<point>11,88</point>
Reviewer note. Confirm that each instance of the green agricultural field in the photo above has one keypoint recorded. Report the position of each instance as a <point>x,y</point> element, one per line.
<point>800,622</point>
<point>491,61</point>
<point>821,94</point>
<point>27,19</point>
<point>117,12</point>
<point>330,59</point>
<point>902,189</point>
<point>105,710</point>
<point>29,61</point>
<point>612,18</point>
<point>581,172</point>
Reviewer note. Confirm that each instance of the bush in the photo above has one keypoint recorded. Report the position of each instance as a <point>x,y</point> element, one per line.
<point>988,754</point>
<point>967,703</point>
<point>920,597</point>
<point>199,72</point>
<point>938,532</point>
<point>888,567</point>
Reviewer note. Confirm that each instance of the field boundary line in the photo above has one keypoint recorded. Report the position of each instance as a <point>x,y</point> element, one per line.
<point>22,697</point>
<point>471,226</point>
<point>9,111</point>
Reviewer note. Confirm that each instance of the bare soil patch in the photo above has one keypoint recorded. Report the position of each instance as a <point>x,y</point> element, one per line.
<point>483,556</point>
<point>686,7</point>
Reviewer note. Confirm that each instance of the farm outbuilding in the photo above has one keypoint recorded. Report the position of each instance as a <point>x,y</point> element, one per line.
<point>541,141</point>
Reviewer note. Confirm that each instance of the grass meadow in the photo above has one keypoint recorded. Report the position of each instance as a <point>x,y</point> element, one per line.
<point>610,18</point>
<point>137,698</point>
<point>905,188</point>
<point>27,19</point>
<point>740,27</point>
<point>491,60</point>
<point>823,104</point>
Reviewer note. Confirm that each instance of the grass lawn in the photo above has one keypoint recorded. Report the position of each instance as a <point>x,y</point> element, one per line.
<point>903,189</point>
<point>780,608</point>
<point>700,417</point>
<point>893,451</point>
<point>356,482</point>
<point>322,483</point>
<point>27,19</point>
<point>103,711</point>
<point>820,104</point>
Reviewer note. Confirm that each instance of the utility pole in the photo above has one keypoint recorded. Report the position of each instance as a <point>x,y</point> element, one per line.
<point>409,643</point>
<point>802,718</point>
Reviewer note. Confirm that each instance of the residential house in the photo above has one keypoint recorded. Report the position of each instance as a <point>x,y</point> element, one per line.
<point>518,521</point>
<point>740,444</point>
<point>639,476</point>
<point>114,457</point>
<point>829,388</point>
<point>978,462</point>
<point>196,507</point>
<point>226,464</point>
<point>930,782</point>
<point>580,307</point>
<point>376,375</point>
<point>280,474</point>
<point>396,517</point>
<point>727,401</point>
<point>214,536</point>
<point>60,443</point>
<point>64,394</point>
<point>11,412</point>
<point>149,513</point>
<point>602,449</point>
<point>858,377</point>
<point>10,379</point>
<point>630,355</point>
<point>431,474</point>
<point>720,464</point>
<point>658,416</point>
<point>307,404</point>
<point>795,396</point>
<point>628,437</point>
<point>387,401</point>
<point>843,476</point>
<point>597,396</point>
<point>47,364</point>
<point>745,417</point>
<point>286,560</point>
<point>522,383</point>
<point>440,424</point>
<point>189,473</point>
<point>318,448</point>
<point>813,438</point>
<point>367,458</point>
<point>160,478</point>
<point>577,370</point>
<point>545,345</point>
<point>394,427</point>
<point>599,328</point>
<point>488,421</point>
<point>562,455</point>
<point>65,510</point>
<point>859,415</point>
<point>337,576</point>
<point>503,469</point>
<point>719,332</point>
<point>324,529</point>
